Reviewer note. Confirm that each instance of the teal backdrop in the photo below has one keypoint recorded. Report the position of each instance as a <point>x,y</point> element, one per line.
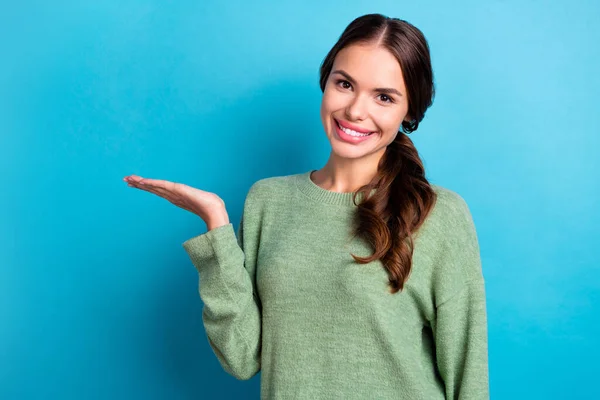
<point>98,300</point>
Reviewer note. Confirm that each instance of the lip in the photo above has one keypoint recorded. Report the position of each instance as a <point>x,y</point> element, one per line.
<point>343,136</point>
<point>348,125</point>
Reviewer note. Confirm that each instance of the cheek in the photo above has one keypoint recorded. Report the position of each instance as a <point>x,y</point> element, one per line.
<point>333,100</point>
<point>391,120</point>
<point>329,105</point>
<point>324,110</point>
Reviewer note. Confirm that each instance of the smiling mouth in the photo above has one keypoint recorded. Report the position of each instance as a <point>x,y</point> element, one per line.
<point>352,132</point>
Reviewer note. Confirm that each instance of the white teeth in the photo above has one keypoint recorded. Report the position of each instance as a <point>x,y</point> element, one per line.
<point>352,133</point>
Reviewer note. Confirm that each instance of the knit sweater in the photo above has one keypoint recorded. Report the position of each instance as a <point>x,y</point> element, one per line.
<point>286,298</point>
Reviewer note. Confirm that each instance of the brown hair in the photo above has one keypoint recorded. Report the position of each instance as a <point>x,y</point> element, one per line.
<point>403,199</point>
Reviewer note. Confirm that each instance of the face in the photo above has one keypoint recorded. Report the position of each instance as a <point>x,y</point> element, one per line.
<point>364,92</point>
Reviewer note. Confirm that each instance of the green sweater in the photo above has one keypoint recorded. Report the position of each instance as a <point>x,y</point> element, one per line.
<point>286,298</point>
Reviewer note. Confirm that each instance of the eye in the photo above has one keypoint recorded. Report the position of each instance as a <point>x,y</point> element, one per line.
<point>342,81</point>
<point>389,99</point>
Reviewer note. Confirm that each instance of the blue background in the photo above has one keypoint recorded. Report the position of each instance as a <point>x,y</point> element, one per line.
<point>98,300</point>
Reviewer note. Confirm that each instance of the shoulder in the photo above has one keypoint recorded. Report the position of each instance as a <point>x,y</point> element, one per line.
<point>450,219</point>
<point>272,186</point>
<point>274,190</point>
<point>448,242</point>
<point>268,195</point>
<point>450,206</point>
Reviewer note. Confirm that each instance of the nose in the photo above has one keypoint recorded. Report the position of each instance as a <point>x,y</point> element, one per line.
<point>356,109</point>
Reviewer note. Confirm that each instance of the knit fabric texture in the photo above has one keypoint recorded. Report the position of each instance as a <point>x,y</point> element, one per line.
<point>282,295</point>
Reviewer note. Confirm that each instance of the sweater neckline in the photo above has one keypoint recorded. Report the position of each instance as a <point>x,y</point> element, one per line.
<point>317,193</point>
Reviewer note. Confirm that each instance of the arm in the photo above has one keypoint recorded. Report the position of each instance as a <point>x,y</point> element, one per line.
<point>460,323</point>
<point>231,313</point>
<point>461,343</point>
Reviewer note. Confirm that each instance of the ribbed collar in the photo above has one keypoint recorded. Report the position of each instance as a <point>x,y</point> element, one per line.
<point>317,193</point>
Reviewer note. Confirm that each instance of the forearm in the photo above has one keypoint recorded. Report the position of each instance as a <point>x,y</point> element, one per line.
<point>231,313</point>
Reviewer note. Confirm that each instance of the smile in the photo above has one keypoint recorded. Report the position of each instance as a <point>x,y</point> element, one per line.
<point>350,135</point>
<point>354,132</point>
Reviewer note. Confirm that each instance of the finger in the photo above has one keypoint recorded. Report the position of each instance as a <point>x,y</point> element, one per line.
<point>165,194</point>
<point>132,178</point>
<point>170,197</point>
<point>139,183</point>
<point>146,182</point>
<point>141,187</point>
<point>158,183</point>
<point>162,193</point>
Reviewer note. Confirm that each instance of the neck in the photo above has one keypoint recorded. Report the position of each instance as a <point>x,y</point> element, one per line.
<point>345,175</point>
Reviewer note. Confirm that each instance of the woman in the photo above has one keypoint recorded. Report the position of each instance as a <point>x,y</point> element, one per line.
<point>360,280</point>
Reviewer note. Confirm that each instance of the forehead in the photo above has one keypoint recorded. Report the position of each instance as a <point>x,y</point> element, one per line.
<point>370,65</point>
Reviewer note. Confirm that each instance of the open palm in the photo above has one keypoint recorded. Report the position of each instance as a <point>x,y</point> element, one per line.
<point>206,205</point>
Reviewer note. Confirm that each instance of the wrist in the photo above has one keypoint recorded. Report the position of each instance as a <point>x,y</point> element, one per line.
<point>217,221</point>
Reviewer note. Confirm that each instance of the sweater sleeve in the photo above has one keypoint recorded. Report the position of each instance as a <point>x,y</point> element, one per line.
<point>460,323</point>
<point>231,312</point>
<point>461,344</point>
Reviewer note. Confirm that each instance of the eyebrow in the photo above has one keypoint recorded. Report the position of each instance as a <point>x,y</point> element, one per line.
<point>351,80</point>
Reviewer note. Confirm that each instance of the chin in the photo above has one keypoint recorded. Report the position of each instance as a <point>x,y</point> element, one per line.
<point>348,151</point>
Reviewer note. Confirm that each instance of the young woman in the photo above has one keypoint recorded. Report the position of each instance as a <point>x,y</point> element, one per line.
<point>360,280</point>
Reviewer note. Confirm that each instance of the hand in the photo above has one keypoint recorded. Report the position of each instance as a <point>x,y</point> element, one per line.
<point>207,205</point>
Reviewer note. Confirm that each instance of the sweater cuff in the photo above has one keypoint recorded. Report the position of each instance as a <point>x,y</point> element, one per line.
<point>218,242</point>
